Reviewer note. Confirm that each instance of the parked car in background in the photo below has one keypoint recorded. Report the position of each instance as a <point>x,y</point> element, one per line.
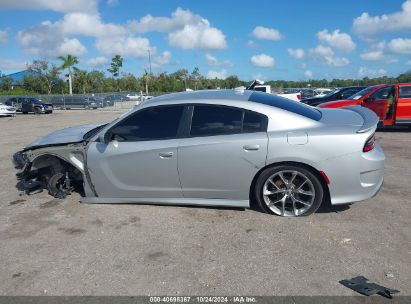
<point>307,93</point>
<point>133,96</point>
<point>392,103</point>
<point>30,105</point>
<point>113,98</point>
<point>77,102</point>
<point>339,94</point>
<point>215,148</point>
<point>6,110</point>
<point>294,95</point>
<point>320,92</point>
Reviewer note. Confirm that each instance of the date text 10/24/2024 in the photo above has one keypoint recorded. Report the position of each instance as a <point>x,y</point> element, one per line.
<point>201,299</point>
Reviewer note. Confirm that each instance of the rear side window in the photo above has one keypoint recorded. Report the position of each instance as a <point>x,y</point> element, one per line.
<point>214,120</point>
<point>404,92</point>
<point>382,94</point>
<point>286,104</point>
<point>210,120</point>
<point>149,124</point>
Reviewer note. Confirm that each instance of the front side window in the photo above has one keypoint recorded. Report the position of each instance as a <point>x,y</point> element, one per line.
<point>381,94</point>
<point>149,124</point>
<point>215,120</point>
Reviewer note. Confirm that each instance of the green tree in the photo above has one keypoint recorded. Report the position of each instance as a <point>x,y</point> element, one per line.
<point>115,66</point>
<point>146,79</point>
<point>195,76</point>
<point>68,62</point>
<point>45,76</point>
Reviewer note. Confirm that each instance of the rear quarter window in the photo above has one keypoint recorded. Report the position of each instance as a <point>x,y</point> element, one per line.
<point>285,104</point>
<point>404,92</point>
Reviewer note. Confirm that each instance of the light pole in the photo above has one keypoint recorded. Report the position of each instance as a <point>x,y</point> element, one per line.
<point>149,59</point>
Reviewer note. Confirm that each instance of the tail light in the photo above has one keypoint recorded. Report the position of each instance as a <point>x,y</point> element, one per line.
<point>299,96</point>
<point>369,144</point>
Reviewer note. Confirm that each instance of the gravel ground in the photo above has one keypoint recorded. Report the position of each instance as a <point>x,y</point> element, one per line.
<point>63,247</point>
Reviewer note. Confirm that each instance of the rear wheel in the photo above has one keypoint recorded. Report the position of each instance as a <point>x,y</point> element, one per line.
<point>288,191</point>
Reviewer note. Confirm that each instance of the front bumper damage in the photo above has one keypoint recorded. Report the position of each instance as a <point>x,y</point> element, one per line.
<point>27,181</point>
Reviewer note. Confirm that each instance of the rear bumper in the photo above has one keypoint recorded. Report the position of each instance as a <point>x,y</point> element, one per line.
<point>355,177</point>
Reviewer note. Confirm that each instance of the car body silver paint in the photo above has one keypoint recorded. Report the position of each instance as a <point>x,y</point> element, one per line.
<point>132,172</point>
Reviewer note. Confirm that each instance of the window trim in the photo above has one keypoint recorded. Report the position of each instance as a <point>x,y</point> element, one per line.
<point>190,113</point>
<point>109,132</point>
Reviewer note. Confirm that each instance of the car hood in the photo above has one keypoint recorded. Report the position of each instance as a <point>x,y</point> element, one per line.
<point>64,136</point>
<point>339,103</point>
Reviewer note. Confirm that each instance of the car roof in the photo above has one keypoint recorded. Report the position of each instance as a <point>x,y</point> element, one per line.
<point>234,94</point>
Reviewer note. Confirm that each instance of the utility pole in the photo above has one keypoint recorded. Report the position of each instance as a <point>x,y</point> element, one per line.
<point>149,59</point>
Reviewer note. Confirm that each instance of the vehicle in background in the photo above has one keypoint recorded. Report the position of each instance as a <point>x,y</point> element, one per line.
<point>342,93</point>
<point>173,150</point>
<point>113,98</point>
<point>30,105</point>
<point>307,93</point>
<point>77,102</point>
<point>6,110</point>
<point>133,96</point>
<point>296,96</point>
<point>320,92</point>
<point>391,103</point>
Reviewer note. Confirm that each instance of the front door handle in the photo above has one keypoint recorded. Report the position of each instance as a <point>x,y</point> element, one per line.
<point>251,147</point>
<point>166,154</point>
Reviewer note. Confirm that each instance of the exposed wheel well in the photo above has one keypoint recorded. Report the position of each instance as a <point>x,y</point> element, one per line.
<point>47,165</point>
<point>326,198</point>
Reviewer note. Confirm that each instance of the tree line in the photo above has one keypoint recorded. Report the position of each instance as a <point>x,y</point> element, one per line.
<point>47,78</point>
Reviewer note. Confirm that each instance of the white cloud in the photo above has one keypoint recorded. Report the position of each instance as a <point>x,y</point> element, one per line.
<point>400,46</point>
<point>125,46</point>
<point>326,54</point>
<point>368,26</point>
<point>266,33</point>
<point>371,73</point>
<point>213,61</point>
<point>112,2</point>
<point>217,74</point>
<point>185,30</point>
<point>63,6</point>
<point>252,44</point>
<point>263,61</point>
<point>3,37</point>
<point>308,74</point>
<point>377,55</point>
<point>97,61</point>
<point>10,64</point>
<point>337,40</point>
<point>164,59</point>
<point>47,39</point>
<point>296,53</point>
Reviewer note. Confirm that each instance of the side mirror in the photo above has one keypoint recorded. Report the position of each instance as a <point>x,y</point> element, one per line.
<point>104,137</point>
<point>368,99</point>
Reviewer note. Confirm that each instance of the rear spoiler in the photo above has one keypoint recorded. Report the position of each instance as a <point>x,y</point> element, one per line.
<point>370,118</point>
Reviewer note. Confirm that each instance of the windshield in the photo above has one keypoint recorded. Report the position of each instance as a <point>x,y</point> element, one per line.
<point>360,94</point>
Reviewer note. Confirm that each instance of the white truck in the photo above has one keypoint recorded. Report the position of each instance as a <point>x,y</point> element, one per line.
<point>267,89</point>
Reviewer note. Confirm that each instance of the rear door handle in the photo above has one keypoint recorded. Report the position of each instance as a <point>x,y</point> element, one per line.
<point>251,147</point>
<point>166,154</point>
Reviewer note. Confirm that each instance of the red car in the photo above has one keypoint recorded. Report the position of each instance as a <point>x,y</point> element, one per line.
<point>392,103</point>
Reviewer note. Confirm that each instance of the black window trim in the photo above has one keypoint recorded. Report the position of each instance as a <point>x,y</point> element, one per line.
<point>190,113</point>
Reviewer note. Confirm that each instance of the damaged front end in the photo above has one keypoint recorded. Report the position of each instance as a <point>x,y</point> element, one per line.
<point>58,169</point>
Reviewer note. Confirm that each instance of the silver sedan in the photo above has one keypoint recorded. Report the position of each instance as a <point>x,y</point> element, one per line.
<point>215,148</point>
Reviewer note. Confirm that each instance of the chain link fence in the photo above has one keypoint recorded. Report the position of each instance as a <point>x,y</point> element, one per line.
<point>109,101</point>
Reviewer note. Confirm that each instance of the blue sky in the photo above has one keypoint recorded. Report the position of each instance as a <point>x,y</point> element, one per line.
<point>292,40</point>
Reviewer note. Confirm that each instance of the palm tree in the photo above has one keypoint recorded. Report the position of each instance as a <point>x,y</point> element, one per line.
<point>146,78</point>
<point>68,62</point>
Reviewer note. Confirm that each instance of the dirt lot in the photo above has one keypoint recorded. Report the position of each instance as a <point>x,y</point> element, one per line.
<point>63,247</point>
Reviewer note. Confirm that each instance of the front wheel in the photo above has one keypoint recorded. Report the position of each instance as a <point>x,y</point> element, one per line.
<point>288,191</point>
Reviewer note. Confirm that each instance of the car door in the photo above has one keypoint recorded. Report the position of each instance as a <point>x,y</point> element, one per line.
<point>378,101</point>
<point>225,148</point>
<point>403,107</point>
<point>140,161</point>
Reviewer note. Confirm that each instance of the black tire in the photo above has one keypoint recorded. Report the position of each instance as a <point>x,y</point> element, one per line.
<point>293,190</point>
